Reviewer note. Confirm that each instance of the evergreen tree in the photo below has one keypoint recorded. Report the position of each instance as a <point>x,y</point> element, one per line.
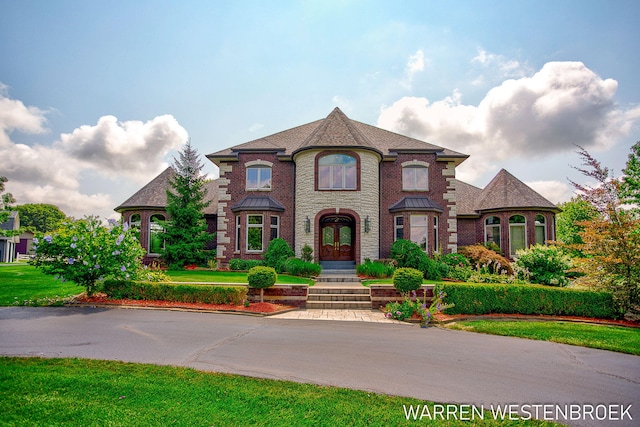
<point>5,200</point>
<point>186,231</point>
<point>630,186</point>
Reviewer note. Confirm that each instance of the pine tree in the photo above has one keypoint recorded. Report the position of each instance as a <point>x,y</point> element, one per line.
<point>630,187</point>
<point>186,231</point>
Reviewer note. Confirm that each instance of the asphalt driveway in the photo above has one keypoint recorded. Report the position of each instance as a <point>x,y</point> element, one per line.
<point>434,364</point>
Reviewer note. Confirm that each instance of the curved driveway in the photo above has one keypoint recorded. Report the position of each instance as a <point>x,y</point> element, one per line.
<point>433,364</point>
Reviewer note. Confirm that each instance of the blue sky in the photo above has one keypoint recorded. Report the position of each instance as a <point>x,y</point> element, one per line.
<point>96,97</point>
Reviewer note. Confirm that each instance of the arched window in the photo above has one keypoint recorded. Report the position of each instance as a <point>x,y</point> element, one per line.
<point>156,228</point>
<point>517,234</point>
<point>134,225</point>
<point>415,178</point>
<point>337,172</point>
<point>541,230</point>
<point>492,230</point>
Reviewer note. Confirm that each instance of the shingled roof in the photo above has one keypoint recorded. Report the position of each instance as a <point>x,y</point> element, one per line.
<point>154,194</point>
<point>335,131</point>
<point>504,192</point>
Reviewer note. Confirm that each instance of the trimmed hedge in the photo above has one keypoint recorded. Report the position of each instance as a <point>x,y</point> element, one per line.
<point>527,299</point>
<point>407,279</point>
<point>208,294</point>
<point>237,264</point>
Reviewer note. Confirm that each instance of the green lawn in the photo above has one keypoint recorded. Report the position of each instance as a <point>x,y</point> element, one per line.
<point>77,392</point>
<point>23,282</point>
<point>615,338</point>
<point>227,277</point>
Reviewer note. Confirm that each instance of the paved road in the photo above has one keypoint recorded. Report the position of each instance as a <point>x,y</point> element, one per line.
<point>433,364</point>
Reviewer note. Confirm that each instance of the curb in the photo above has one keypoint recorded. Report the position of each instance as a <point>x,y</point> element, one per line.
<point>186,309</point>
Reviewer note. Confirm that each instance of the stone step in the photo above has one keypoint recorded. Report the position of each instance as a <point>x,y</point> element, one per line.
<point>339,305</point>
<point>337,278</point>
<point>339,297</point>
<point>321,290</point>
<point>339,272</point>
<point>338,265</point>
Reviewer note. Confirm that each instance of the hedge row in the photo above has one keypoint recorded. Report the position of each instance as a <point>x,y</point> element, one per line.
<point>208,294</point>
<point>527,299</point>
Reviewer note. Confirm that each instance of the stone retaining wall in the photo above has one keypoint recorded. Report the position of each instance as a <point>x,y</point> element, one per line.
<point>383,294</point>
<point>294,295</point>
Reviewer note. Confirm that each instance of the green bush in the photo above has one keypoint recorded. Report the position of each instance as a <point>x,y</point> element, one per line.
<point>376,269</point>
<point>277,254</point>
<point>455,260</point>
<point>408,254</point>
<point>546,265</point>
<point>298,267</point>
<point>208,294</point>
<point>406,280</point>
<point>307,253</point>
<point>238,264</point>
<point>262,277</point>
<point>461,274</point>
<point>433,269</point>
<point>478,277</point>
<point>527,299</point>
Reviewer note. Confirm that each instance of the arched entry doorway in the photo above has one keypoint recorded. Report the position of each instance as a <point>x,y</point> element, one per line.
<point>337,238</point>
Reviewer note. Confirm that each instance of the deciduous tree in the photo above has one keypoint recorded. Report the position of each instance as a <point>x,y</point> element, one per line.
<point>40,217</point>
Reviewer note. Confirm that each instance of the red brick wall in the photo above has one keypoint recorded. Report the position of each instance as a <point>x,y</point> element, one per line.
<point>391,192</point>
<point>282,190</point>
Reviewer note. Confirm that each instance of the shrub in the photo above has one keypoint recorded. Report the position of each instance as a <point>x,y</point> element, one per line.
<point>238,264</point>
<point>546,265</point>
<point>277,254</point>
<point>527,299</point>
<point>479,277</point>
<point>262,277</point>
<point>455,260</point>
<point>208,294</point>
<point>406,280</point>
<point>408,254</point>
<point>301,268</point>
<point>461,274</point>
<point>434,269</point>
<point>307,253</point>
<point>376,269</point>
<point>486,260</point>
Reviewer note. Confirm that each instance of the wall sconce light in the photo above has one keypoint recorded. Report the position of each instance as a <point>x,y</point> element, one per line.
<point>307,225</point>
<point>367,224</point>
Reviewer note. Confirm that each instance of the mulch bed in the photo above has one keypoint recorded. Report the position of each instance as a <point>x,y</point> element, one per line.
<point>254,307</point>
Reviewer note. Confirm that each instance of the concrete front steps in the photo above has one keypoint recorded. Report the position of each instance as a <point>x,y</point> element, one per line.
<point>339,288</point>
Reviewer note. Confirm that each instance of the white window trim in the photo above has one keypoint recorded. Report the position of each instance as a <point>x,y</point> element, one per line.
<point>545,238</point>
<point>498,226</point>
<point>518,224</point>
<point>397,227</point>
<point>436,234</point>
<point>426,243</point>
<point>261,226</point>
<point>238,233</point>
<point>277,226</point>
<point>259,167</point>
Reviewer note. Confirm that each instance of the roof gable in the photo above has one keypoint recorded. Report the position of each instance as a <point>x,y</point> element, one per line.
<point>505,191</point>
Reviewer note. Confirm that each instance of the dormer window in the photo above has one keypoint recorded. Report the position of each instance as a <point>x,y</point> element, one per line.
<point>337,172</point>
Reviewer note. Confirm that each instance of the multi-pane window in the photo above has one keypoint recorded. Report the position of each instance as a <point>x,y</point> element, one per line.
<point>156,242</point>
<point>275,227</point>
<point>254,233</point>
<point>419,228</point>
<point>492,230</point>
<point>337,172</point>
<point>517,234</point>
<point>134,225</point>
<point>541,230</point>
<point>415,178</point>
<point>238,232</point>
<point>259,178</point>
<point>399,228</point>
<point>436,235</point>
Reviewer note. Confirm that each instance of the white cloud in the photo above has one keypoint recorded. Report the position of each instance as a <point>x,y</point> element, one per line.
<point>52,174</point>
<point>563,104</point>
<point>132,148</point>
<point>500,65</point>
<point>255,127</point>
<point>555,191</point>
<point>415,64</point>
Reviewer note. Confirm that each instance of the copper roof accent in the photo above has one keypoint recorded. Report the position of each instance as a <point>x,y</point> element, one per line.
<point>154,194</point>
<point>416,203</point>
<point>258,203</point>
<point>505,191</point>
<point>336,131</point>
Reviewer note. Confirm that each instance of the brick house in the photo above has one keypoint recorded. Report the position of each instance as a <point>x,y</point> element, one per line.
<point>349,190</point>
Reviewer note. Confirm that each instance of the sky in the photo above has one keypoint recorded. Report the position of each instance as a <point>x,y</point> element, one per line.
<point>97,98</point>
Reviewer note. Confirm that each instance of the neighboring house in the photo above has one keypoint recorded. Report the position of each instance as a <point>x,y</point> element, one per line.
<point>8,243</point>
<point>349,190</point>
<point>145,211</point>
<point>25,245</point>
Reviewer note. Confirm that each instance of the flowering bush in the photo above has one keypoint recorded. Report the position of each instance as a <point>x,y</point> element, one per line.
<point>547,265</point>
<point>406,309</point>
<point>85,251</point>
